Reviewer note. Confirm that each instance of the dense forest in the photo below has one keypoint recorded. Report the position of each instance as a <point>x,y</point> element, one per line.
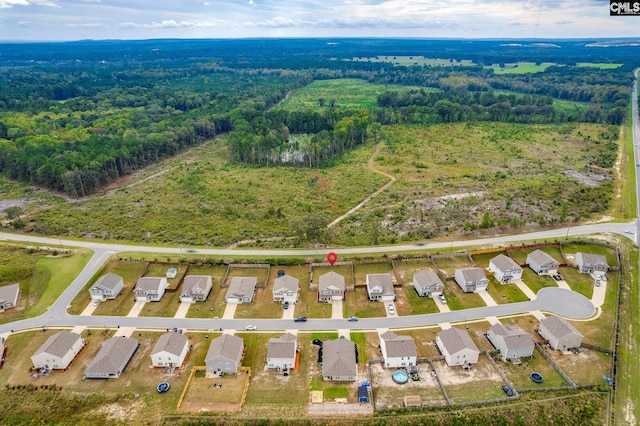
<point>76,116</point>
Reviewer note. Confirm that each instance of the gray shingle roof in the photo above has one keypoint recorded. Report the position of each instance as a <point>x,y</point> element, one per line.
<point>513,336</point>
<point>332,281</point>
<point>505,263</point>
<point>540,257</point>
<point>109,281</point>
<point>227,346</point>
<point>282,347</point>
<point>473,274</point>
<point>399,346</point>
<point>558,326</point>
<point>592,259</point>
<point>384,281</point>
<point>426,277</point>
<point>196,284</point>
<point>113,356</point>
<point>148,283</point>
<point>171,342</point>
<point>339,358</point>
<point>456,340</point>
<point>242,286</point>
<point>286,283</point>
<point>58,344</point>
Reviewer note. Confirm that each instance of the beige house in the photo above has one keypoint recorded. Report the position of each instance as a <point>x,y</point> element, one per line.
<point>9,296</point>
<point>150,289</point>
<point>281,352</point>
<point>471,280</point>
<point>107,287</point>
<point>286,289</point>
<point>541,263</point>
<point>380,287</point>
<point>560,333</point>
<point>339,361</point>
<point>225,354</point>
<point>241,290</point>
<point>58,351</point>
<point>170,350</point>
<point>505,269</point>
<point>196,288</point>
<point>457,347</point>
<point>112,358</point>
<point>330,287</point>
<point>427,283</point>
<point>398,351</point>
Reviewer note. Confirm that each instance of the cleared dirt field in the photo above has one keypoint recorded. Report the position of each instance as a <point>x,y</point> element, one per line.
<point>388,394</point>
<point>225,397</point>
<point>482,382</point>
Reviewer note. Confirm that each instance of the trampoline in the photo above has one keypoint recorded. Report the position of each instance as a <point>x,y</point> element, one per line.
<point>536,377</point>
<point>163,387</point>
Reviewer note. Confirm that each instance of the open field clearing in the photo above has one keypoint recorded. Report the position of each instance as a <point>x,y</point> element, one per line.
<point>417,60</point>
<point>520,67</point>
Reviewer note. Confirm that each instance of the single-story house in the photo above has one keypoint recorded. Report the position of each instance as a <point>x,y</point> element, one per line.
<point>170,350</point>
<point>471,280</point>
<point>9,296</point>
<point>560,333</point>
<point>286,289</point>
<point>150,289</point>
<point>339,361</point>
<point>225,354</point>
<point>196,288</point>
<point>457,347</point>
<point>427,283</point>
<point>241,290</point>
<point>281,351</point>
<point>541,263</point>
<point>58,351</point>
<point>511,341</point>
<point>112,358</point>
<point>331,287</point>
<point>591,263</point>
<point>107,287</point>
<point>398,351</point>
<point>380,287</point>
<point>505,269</point>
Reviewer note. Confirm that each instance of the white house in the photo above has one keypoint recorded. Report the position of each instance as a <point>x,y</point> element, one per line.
<point>331,287</point>
<point>150,289</point>
<point>112,358</point>
<point>241,290</point>
<point>9,296</point>
<point>398,351</point>
<point>457,347</point>
<point>511,341</point>
<point>107,287</point>
<point>58,351</point>
<point>591,263</point>
<point>471,280</point>
<point>285,289</point>
<point>505,269</point>
<point>541,263</point>
<point>170,350</point>
<point>560,333</point>
<point>427,283</point>
<point>225,354</point>
<point>380,287</point>
<point>281,351</point>
<point>196,288</point>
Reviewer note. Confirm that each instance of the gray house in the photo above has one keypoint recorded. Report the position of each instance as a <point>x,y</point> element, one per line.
<point>225,354</point>
<point>511,341</point>
<point>170,350</point>
<point>281,351</point>
<point>457,347</point>
<point>541,263</point>
<point>380,287</point>
<point>560,333</point>
<point>107,287</point>
<point>9,296</point>
<point>241,290</point>
<point>339,361</point>
<point>591,263</point>
<point>471,280</point>
<point>505,269</point>
<point>427,283</point>
<point>196,288</point>
<point>286,289</point>
<point>330,287</point>
<point>398,351</point>
<point>112,358</point>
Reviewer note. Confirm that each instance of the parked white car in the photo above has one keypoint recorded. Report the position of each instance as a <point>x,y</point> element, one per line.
<point>392,310</point>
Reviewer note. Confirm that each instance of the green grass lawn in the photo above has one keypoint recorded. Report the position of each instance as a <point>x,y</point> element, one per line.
<point>507,293</point>
<point>537,282</point>
<point>457,299</point>
<point>579,282</point>
<point>520,67</point>
<point>599,65</point>
<point>450,263</point>
<point>361,270</point>
<point>519,374</point>
<point>416,305</point>
<point>358,304</point>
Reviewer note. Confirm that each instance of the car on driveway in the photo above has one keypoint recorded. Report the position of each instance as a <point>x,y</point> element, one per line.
<point>96,302</point>
<point>286,305</point>
<point>558,277</point>
<point>392,310</point>
<point>507,390</point>
<point>251,327</point>
<point>300,319</point>
<point>352,319</point>
<point>443,300</point>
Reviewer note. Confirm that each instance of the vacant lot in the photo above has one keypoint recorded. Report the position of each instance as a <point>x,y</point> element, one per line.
<point>585,367</point>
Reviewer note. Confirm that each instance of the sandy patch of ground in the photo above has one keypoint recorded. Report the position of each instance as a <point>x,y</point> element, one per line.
<point>483,371</point>
<point>587,178</point>
<point>388,394</point>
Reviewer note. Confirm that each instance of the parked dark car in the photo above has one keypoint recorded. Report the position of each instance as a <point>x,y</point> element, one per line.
<point>286,305</point>
<point>507,390</point>
<point>300,319</point>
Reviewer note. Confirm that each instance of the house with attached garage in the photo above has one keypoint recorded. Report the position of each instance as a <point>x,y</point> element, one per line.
<point>282,351</point>
<point>58,351</point>
<point>505,269</point>
<point>339,361</point>
<point>150,289</point>
<point>588,263</point>
<point>427,283</point>
<point>380,287</point>
<point>9,296</point>
<point>560,334</point>
<point>241,290</point>
<point>112,358</point>
<point>541,263</point>
<point>170,350</point>
<point>457,347</point>
<point>471,280</point>
<point>196,288</point>
<point>225,354</point>
<point>511,341</point>
<point>286,289</point>
<point>330,287</point>
<point>107,287</point>
<point>398,351</point>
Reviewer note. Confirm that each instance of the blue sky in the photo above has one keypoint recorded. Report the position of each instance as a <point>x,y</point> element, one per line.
<point>54,20</point>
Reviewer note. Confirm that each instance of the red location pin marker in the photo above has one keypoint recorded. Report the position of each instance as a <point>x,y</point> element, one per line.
<point>332,257</point>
